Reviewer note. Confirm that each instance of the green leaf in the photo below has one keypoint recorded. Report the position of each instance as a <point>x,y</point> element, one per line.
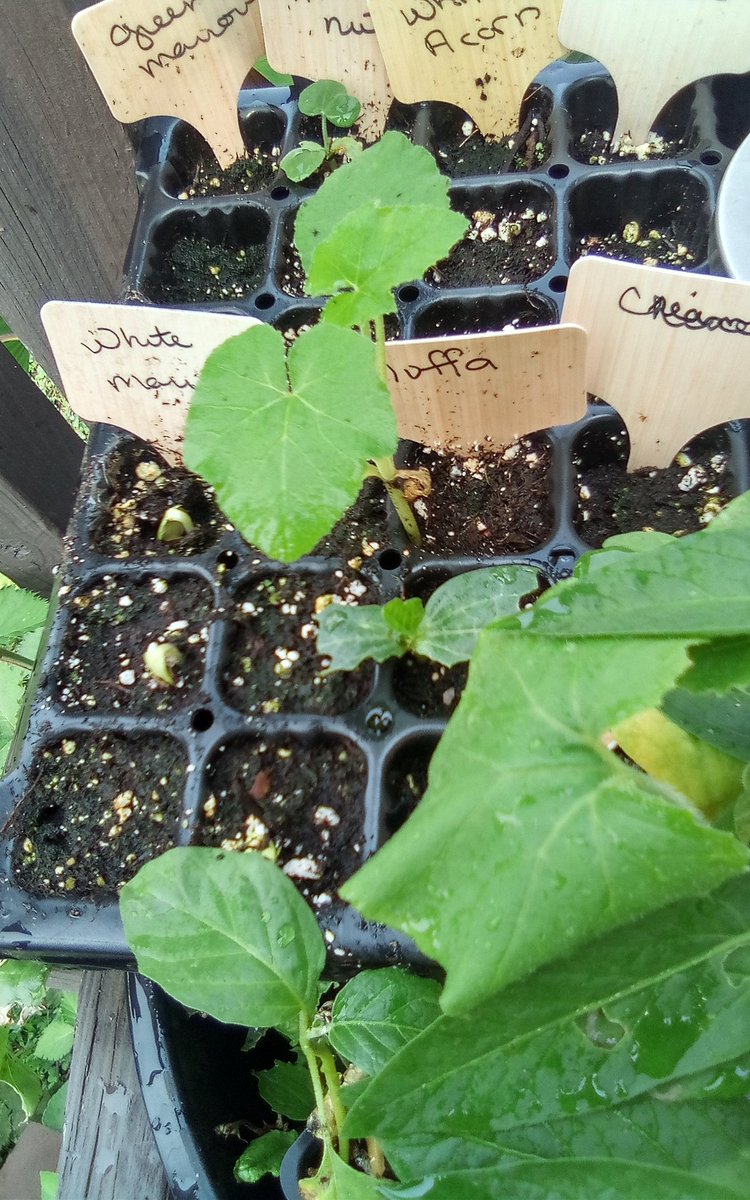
<point>50,1183</point>
<point>24,1080</point>
<point>303,161</point>
<point>12,1117</point>
<point>20,612</point>
<point>227,934</point>
<point>566,1180</point>
<point>54,1113</point>
<point>348,634</point>
<point>55,1042</point>
<point>68,1007</point>
<point>287,1087</point>
<point>446,629</point>
<point>688,587</point>
<point>330,99</point>
<point>390,174</point>
<point>278,78</point>
<point>460,609</point>
<point>619,1052</point>
<point>372,251</point>
<point>21,982</point>
<point>532,838</point>
<point>378,1012</point>
<point>286,441</point>
<point>264,1156</point>
<point>713,699</point>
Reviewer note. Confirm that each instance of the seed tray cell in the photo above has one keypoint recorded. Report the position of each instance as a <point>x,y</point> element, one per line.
<point>396,713</point>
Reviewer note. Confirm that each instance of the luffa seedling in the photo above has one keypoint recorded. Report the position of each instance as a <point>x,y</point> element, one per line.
<point>444,629</point>
<point>330,101</point>
<point>286,438</point>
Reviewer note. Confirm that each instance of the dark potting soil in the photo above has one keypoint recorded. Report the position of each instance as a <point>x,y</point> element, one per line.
<point>112,623</point>
<point>301,803</point>
<point>406,783</point>
<point>292,278</point>
<point>362,531</point>
<point>595,146</point>
<point>272,664</point>
<point>461,149</point>
<point>428,689</point>
<point>667,245</point>
<point>250,174</point>
<point>511,245</point>
<point>486,503</point>
<point>677,499</point>
<point>138,489</point>
<point>197,270</point>
<point>97,808</point>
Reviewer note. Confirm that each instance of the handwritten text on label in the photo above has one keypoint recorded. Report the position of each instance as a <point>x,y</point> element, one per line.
<point>440,360</point>
<point>673,315</point>
<point>437,39</point>
<point>336,25</point>
<point>135,366</point>
<point>120,35</point>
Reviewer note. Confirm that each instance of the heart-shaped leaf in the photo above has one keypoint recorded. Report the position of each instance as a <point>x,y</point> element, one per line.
<point>286,440</point>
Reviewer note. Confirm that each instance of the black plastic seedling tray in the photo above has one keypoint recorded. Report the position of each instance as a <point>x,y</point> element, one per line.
<point>77,925</point>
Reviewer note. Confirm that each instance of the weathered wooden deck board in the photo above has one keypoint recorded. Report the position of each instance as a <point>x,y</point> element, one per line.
<point>108,1148</point>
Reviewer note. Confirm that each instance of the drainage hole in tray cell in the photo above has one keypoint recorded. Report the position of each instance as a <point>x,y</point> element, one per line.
<point>405,782</point>
<point>558,171</point>
<point>272,664</point>
<point>558,284</point>
<point>265,301</point>
<point>202,720</point>
<point>280,193</point>
<point>408,294</point>
<point>299,802</point>
<point>390,560</point>
<point>227,560</point>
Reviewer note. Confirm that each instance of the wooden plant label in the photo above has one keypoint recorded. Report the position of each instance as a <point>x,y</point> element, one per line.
<point>133,365</point>
<point>186,59</point>
<point>331,39</point>
<point>487,388</point>
<point>669,351</point>
<point>480,57</point>
<point>653,48</point>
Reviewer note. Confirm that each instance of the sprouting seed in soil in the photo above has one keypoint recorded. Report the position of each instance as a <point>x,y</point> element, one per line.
<point>175,524</point>
<point>159,658</point>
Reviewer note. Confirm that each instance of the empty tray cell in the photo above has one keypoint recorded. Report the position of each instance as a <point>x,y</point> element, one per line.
<point>299,802</point>
<point>658,218</point>
<point>135,491</point>
<point>461,150</point>
<point>486,503</point>
<point>731,95</point>
<point>510,240</point>
<point>405,782</point>
<point>678,499</point>
<point>194,170</point>
<point>133,644</point>
<point>592,108</point>
<point>98,807</point>
<point>272,664</point>
<point>482,314</point>
<point>208,258</point>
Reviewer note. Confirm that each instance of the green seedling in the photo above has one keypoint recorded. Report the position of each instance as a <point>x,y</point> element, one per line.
<point>286,436</point>
<point>175,524</point>
<point>445,629</point>
<point>331,102</point>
